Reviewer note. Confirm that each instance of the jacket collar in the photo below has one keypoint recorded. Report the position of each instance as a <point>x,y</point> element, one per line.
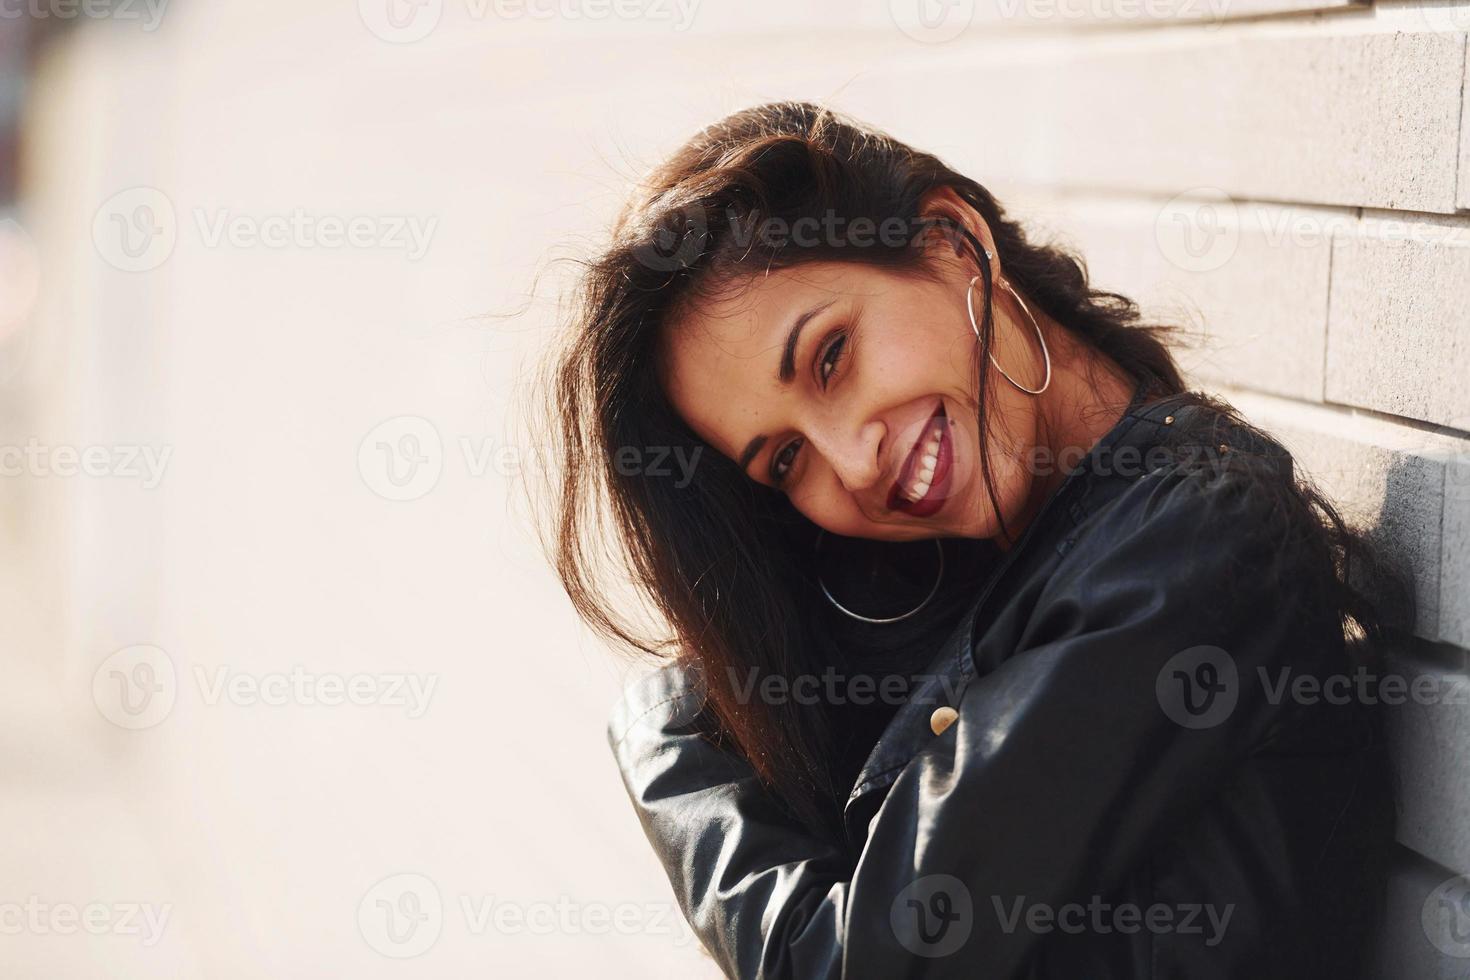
<point>943,681</point>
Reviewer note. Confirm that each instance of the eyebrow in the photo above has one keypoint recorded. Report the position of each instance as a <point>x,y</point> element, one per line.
<point>788,355</point>
<point>785,373</point>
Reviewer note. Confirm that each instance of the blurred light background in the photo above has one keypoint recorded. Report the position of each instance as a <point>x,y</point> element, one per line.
<point>289,691</point>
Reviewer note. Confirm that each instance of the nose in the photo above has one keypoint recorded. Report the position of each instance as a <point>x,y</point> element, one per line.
<point>852,450</point>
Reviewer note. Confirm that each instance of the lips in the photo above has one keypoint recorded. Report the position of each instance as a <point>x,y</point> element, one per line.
<point>909,494</point>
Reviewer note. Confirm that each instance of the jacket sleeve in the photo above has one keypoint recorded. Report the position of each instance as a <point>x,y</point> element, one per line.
<point>1136,689</point>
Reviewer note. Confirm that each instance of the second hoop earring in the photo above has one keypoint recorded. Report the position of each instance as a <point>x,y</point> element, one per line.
<point>1046,354</point>
<point>881,620</point>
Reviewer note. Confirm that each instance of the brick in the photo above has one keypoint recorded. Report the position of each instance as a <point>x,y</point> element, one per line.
<point>1398,331</point>
<point>1067,13</point>
<point>1430,736</point>
<point>1298,114</point>
<point>993,15</point>
<point>1371,120</point>
<point>1454,583</point>
<point>1247,280</point>
<point>1383,476</point>
<point>1407,950</point>
<point>1463,194</point>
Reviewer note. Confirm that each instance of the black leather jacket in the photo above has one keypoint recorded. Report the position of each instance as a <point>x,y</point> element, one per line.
<point>1128,790</point>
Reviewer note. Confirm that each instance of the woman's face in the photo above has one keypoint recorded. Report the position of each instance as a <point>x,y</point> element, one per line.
<point>852,389</point>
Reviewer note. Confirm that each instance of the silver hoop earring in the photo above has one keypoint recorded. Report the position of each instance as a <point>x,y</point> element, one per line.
<point>970,306</point>
<point>933,591</point>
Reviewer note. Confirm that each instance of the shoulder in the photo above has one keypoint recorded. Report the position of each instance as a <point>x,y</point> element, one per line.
<point>1213,438</point>
<point>1187,444</point>
<point>1190,445</point>
<point>1214,496</point>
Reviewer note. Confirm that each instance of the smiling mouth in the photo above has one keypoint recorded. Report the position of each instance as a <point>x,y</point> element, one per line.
<point>923,481</point>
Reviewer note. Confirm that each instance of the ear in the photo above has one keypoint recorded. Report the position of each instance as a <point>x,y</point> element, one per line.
<point>943,202</point>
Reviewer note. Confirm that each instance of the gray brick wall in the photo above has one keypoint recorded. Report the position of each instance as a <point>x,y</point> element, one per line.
<point>1294,189</point>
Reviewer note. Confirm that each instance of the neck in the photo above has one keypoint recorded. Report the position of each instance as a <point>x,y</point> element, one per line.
<point>1087,396</point>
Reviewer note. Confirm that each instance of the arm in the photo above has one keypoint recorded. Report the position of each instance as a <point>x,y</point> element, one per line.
<point>1061,769</point>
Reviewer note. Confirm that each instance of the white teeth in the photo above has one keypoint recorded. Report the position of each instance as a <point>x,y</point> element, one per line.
<point>923,477</point>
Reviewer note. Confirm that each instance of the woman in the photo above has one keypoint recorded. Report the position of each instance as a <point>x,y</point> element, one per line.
<point>975,619</point>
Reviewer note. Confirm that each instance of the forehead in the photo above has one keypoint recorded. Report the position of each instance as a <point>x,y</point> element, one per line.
<point>719,356</point>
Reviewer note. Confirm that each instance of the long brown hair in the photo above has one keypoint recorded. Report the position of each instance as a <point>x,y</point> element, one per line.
<point>719,571</point>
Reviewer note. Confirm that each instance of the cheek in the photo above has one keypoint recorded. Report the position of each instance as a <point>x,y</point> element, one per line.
<point>1011,434</point>
<point>924,356</point>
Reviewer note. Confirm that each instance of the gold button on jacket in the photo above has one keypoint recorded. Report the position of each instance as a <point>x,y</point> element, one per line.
<point>942,718</point>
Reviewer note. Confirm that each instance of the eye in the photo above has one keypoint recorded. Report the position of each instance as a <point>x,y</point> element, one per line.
<point>831,357</point>
<point>781,462</point>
